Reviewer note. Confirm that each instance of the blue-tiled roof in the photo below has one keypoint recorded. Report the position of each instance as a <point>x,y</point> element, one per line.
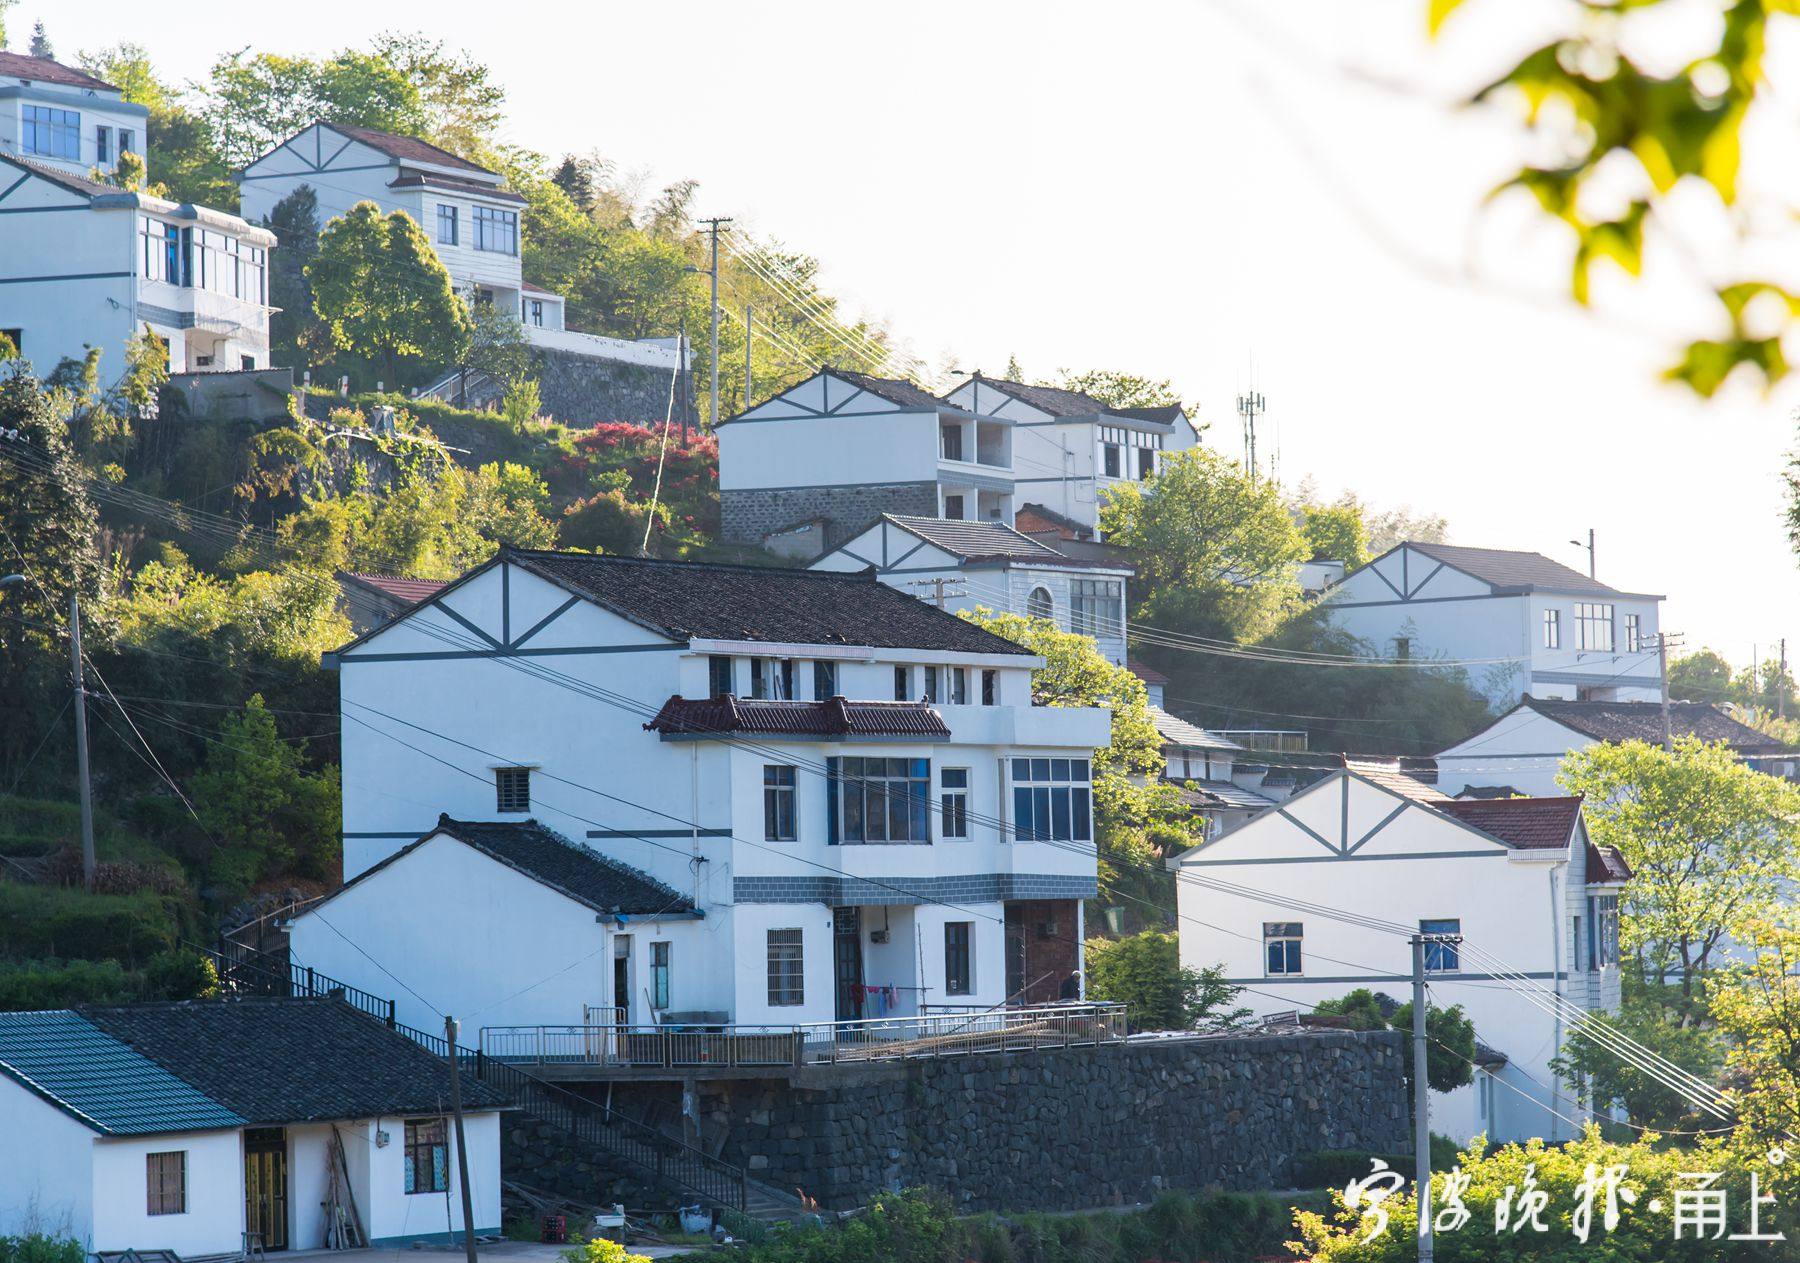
<point>72,1064</point>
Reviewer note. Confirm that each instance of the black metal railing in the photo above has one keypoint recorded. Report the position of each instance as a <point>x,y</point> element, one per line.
<point>266,974</point>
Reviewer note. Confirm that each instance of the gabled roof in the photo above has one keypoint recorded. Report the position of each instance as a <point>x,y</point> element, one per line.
<point>1606,866</point>
<point>1060,402</point>
<point>1176,731</point>
<point>81,184</point>
<point>1059,520</point>
<point>893,389</point>
<point>1642,721</point>
<point>570,868</point>
<point>1202,795</point>
<point>44,70</point>
<point>88,1074</point>
<point>1512,570</point>
<point>1148,674</point>
<point>1389,776</point>
<point>1525,823</point>
<point>413,179</point>
<point>398,587</point>
<point>405,148</point>
<point>687,600</point>
<point>834,717</point>
<point>976,540</point>
<point>272,1061</point>
<point>1161,414</point>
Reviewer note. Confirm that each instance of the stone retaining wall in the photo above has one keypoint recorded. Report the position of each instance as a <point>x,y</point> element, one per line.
<point>750,515</point>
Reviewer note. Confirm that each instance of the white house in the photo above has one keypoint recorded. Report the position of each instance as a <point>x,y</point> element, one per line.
<point>1522,751</point>
<point>761,743</point>
<point>1523,623</point>
<point>1069,448</point>
<point>1517,878</point>
<point>974,564</point>
<point>85,263</point>
<point>840,448</point>
<point>1216,780</point>
<point>184,1127</point>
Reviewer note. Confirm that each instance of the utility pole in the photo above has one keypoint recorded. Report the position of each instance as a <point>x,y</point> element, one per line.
<point>1781,684</point>
<point>1662,669</point>
<point>713,225</point>
<point>1249,407</point>
<point>939,589</point>
<point>1422,1090</point>
<point>462,1154</point>
<point>749,330</point>
<point>1590,551</point>
<point>81,745</point>
<point>682,376</point>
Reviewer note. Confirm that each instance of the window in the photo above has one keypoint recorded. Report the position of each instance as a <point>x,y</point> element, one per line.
<point>882,800</point>
<point>537,312</point>
<point>1603,931</point>
<point>1051,800</point>
<point>778,803</point>
<point>902,684</point>
<point>659,974</point>
<point>163,252</point>
<point>1039,604</point>
<point>52,133</point>
<point>512,789</point>
<point>247,362</point>
<point>759,678</point>
<point>1402,648</point>
<point>1094,607</point>
<point>953,444</point>
<point>954,803</point>
<point>1593,625</point>
<point>956,956</point>
<point>787,968</point>
<point>931,685</point>
<point>1553,629</point>
<point>496,230</point>
<point>1281,948</point>
<point>718,675</point>
<point>447,225</point>
<point>959,686</point>
<point>426,1156</point>
<point>1146,458</point>
<point>165,1182</point>
<point>1109,459</point>
<point>1442,958</point>
<point>102,144</point>
<point>126,142</point>
<point>824,680</point>
<point>1634,632</point>
<point>953,508</point>
<point>990,688</point>
<point>783,672</point>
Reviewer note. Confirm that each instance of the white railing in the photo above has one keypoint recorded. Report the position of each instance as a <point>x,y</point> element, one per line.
<point>936,1034</point>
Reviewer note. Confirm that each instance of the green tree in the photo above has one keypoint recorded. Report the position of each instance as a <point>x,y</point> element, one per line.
<point>1701,677</point>
<point>257,100</point>
<point>1450,1035</point>
<point>1711,843</point>
<point>1336,531</point>
<point>271,816</point>
<point>1676,1029</point>
<point>384,295</point>
<point>1145,972</point>
<point>460,104</point>
<point>40,42</point>
<point>296,335</point>
<point>1215,549</point>
<point>127,66</point>
<point>1757,1007</point>
<point>1119,390</point>
<point>496,346</point>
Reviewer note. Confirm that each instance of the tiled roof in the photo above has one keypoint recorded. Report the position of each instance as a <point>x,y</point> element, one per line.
<point>1162,414</point>
<point>1176,731</point>
<point>406,148</point>
<point>1505,568</point>
<point>1606,866</point>
<point>74,183</point>
<point>1204,794</point>
<point>1389,776</point>
<point>83,1071</point>
<point>1052,518</point>
<point>411,179</point>
<point>273,1061</point>
<point>547,857</point>
<point>979,541</point>
<point>409,591</point>
<point>893,389</point>
<point>834,717</point>
<point>1149,675</point>
<point>43,70</point>
<point>687,600</point>
<point>1489,791</point>
<point>1642,721</point>
<point>1059,402</point>
<point>1527,823</point>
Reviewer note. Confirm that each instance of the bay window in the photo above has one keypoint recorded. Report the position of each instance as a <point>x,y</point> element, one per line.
<point>1052,800</point>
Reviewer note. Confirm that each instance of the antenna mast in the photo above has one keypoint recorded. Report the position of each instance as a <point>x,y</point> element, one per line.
<point>1250,407</point>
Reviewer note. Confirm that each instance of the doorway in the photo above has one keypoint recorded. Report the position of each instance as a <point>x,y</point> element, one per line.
<point>622,977</point>
<point>847,962</point>
<point>265,1185</point>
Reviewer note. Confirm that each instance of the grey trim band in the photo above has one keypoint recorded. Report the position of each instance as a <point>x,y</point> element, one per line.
<point>971,888</point>
<point>451,654</point>
<point>1337,857</point>
<point>830,486</point>
<point>1447,976</point>
<point>658,833</point>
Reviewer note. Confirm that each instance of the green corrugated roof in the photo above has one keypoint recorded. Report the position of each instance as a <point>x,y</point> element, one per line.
<point>78,1068</point>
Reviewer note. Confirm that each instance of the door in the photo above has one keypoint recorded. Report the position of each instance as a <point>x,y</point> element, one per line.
<point>847,962</point>
<point>622,998</point>
<point>265,1185</point>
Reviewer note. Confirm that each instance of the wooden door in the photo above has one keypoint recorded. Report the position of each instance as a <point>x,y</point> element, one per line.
<point>847,961</point>
<point>265,1185</point>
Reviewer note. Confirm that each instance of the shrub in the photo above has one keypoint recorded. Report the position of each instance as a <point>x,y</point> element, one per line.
<point>1145,972</point>
<point>180,975</point>
<point>47,921</point>
<point>52,984</point>
<point>37,1248</point>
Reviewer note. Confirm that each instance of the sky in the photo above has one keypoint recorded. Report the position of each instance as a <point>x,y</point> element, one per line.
<point>1279,194</point>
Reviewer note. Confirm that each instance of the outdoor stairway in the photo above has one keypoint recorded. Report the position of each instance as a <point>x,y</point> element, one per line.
<point>770,1205</point>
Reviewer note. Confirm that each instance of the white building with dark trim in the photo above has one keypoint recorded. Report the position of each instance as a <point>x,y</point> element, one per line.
<point>1524,624</point>
<point>832,799</point>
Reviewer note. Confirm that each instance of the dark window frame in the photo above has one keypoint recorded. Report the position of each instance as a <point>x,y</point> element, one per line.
<point>787,967</point>
<point>959,953</point>
<point>781,815</point>
<point>1283,949</point>
<point>158,1194</point>
<point>512,790</point>
<point>953,802</point>
<point>719,675</point>
<point>824,680</point>
<point>426,1138</point>
<point>1053,800</point>
<point>878,798</point>
<point>661,953</point>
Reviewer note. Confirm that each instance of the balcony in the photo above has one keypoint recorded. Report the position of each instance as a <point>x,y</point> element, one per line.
<point>1071,728</point>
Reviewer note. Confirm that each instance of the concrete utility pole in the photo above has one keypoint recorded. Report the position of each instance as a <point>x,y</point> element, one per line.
<point>1422,1090</point>
<point>1662,668</point>
<point>749,329</point>
<point>81,745</point>
<point>1590,551</point>
<point>713,225</point>
<point>462,1154</point>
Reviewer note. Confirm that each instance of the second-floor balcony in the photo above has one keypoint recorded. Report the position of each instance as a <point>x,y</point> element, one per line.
<point>967,444</point>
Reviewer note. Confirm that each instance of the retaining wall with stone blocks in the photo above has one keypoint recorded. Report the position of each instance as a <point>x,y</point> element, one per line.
<point>750,515</point>
<point>585,389</point>
<point>1069,1128</point>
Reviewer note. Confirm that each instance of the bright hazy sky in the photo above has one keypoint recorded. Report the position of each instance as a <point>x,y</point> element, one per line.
<point>1182,189</point>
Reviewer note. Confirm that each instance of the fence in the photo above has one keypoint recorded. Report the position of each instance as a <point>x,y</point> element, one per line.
<point>873,1039</point>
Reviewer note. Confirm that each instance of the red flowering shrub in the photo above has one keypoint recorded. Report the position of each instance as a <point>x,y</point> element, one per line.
<point>612,471</point>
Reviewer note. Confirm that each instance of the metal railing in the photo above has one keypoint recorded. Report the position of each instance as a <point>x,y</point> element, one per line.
<point>264,974</point>
<point>935,1034</point>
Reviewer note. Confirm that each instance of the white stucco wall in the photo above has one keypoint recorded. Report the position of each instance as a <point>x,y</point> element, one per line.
<point>214,1220</point>
<point>68,277</point>
<point>788,441</point>
<point>95,107</point>
<point>394,1216</point>
<point>1523,749</point>
<point>46,1168</point>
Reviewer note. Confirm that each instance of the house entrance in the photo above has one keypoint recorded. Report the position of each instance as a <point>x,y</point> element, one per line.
<point>847,962</point>
<point>265,1185</point>
<point>622,976</point>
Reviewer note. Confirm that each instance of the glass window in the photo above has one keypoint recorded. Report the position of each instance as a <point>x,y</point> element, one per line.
<point>1146,459</point>
<point>659,974</point>
<point>1634,632</point>
<point>1094,606</point>
<point>1039,604</point>
<point>1281,948</point>
<point>1110,459</point>
<point>496,230</point>
<point>512,789</point>
<point>990,688</point>
<point>1593,625</point>
<point>884,800</point>
<point>956,956</point>
<point>1606,930</point>
<point>902,684</point>
<point>51,133</point>
<point>102,144</point>
<point>787,968</point>
<point>824,680</point>
<point>165,1183</point>
<point>953,508</point>
<point>931,685</point>
<point>446,226</point>
<point>953,441</point>
<point>778,803</point>
<point>1052,801</point>
<point>759,678</point>
<point>954,802</point>
<point>127,142</point>
<point>718,675</point>
<point>959,686</point>
<point>537,312</point>
<point>1442,958</point>
<point>426,1156</point>
<point>1553,629</point>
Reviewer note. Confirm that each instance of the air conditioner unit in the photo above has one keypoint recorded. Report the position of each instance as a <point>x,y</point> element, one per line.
<point>878,936</point>
<point>1048,929</point>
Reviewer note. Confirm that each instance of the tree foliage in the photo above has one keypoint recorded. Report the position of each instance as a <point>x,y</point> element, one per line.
<point>256,791</point>
<point>1450,1035</point>
<point>1675,1028</point>
<point>1711,843</point>
<point>1119,390</point>
<point>297,337</point>
<point>1145,972</point>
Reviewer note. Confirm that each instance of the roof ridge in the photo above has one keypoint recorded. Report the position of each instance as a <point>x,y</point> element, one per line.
<point>685,563</point>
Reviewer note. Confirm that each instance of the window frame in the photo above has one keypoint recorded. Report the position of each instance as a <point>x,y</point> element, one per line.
<point>58,128</point>
<point>496,230</point>
<point>951,438</point>
<point>903,684</point>
<point>156,1182</point>
<point>1634,632</point>
<point>1086,596</point>
<point>781,805</point>
<point>1290,938</point>
<point>1589,622</point>
<point>824,680</point>
<point>953,509</point>
<point>990,686</point>
<point>1059,789</point>
<point>720,668</point>
<point>959,958</point>
<point>1447,956</point>
<point>957,694</point>
<point>866,793</point>
<point>953,803</point>
<point>518,791</point>
<point>661,952</point>
<point>1039,603</point>
<point>1552,629</point>
<point>449,215</point>
<point>787,967</point>
<point>437,1152</point>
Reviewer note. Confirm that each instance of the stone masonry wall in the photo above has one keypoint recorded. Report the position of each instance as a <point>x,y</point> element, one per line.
<point>1070,1128</point>
<point>750,515</point>
<point>584,389</point>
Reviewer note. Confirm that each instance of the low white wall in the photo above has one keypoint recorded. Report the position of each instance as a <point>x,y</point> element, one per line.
<point>393,1216</point>
<point>213,1222</point>
<point>46,1168</point>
